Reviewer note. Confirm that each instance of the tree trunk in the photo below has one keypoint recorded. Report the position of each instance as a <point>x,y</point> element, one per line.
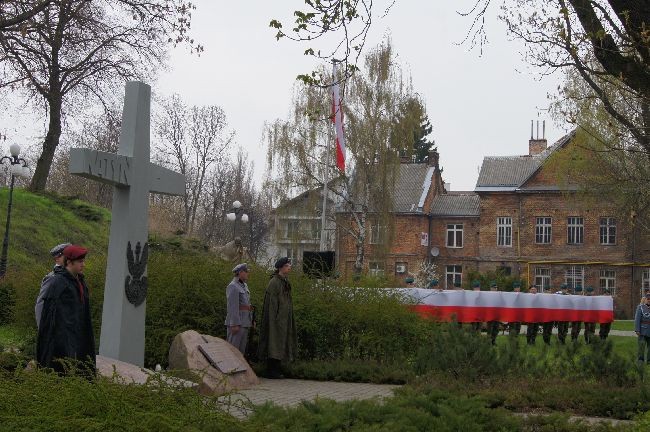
<point>42,171</point>
<point>360,246</point>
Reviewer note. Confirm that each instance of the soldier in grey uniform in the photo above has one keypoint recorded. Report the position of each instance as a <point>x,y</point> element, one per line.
<point>239,316</point>
<point>57,254</point>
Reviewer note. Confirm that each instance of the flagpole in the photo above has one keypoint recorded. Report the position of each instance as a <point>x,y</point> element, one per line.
<point>323,223</point>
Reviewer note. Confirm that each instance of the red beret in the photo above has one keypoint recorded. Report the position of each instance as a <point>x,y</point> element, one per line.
<point>74,252</point>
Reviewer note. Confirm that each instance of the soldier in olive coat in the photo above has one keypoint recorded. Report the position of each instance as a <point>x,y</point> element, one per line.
<point>278,341</point>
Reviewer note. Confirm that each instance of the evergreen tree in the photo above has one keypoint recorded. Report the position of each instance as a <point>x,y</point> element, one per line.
<point>412,130</point>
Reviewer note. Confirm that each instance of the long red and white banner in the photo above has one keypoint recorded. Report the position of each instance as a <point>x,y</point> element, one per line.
<point>482,306</point>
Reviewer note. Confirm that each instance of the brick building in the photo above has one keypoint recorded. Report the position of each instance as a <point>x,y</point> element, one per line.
<point>518,219</point>
<point>397,251</point>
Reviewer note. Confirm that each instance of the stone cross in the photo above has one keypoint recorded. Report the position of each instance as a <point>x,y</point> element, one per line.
<point>133,177</point>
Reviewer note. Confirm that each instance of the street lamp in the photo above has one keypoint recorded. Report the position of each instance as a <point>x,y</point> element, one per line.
<point>18,167</point>
<point>236,213</point>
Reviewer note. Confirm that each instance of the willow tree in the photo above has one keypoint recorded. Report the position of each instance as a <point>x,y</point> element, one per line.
<point>301,149</point>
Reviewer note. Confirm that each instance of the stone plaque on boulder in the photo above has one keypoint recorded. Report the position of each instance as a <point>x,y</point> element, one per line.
<point>185,354</point>
<point>222,358</point>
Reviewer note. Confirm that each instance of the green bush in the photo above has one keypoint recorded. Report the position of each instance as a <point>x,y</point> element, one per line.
<point>7,303</point>
<point>350,371</point>
<point>37,401</point>
<point>409,410</point>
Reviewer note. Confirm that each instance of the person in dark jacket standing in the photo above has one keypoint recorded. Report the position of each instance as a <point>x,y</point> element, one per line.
<point>642,329</point>
<point>57,254</point>
<point>66,332</point>
<point>239,317</point>
<point>278,341</point>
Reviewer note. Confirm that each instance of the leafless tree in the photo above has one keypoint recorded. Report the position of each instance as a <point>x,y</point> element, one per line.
<point>195,141</point>
<point>76,51</point>
<point>15,14</point>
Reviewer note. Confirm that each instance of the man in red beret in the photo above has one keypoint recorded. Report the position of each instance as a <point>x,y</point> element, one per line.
<point>65,333</point>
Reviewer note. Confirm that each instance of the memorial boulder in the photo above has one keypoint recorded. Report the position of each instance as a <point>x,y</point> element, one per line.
<point>221,368</point>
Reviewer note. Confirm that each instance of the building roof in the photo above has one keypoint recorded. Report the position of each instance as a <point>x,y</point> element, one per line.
<point>511,172</point>
<point>412,186</point>
<point>456,204</point>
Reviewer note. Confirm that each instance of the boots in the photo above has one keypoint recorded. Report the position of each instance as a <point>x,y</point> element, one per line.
<point>273,369</point>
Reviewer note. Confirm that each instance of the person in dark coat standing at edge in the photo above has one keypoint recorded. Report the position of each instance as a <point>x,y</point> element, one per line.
<point>239,317</point>
<point>57,254</point>
<point>278,342</point>
<point>66,332</point>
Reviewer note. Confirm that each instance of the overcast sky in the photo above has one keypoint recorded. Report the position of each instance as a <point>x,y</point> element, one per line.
<point>478,105</point>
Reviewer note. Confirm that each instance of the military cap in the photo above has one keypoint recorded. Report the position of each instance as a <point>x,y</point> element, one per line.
<point>516,284</point>
<point>457,284</point>
<point>493,284</point>
<point>647,295</point>
<point>564,286</point>
<point>476,284</point>
<point>57,250</point>
<point>578,289</point>
<point>282,262</point>
<point>409,280</point>
<point>240,267</point>
<point>74,252</point>
<point>433,282</point>
<point>589,289</point>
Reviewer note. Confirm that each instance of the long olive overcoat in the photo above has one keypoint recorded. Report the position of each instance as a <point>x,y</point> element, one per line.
<point>278,329</point>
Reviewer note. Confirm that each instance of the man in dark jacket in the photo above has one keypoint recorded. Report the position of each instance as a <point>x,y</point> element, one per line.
<point>66,332</point>
<point>278,341</point>
<point>57,254</point>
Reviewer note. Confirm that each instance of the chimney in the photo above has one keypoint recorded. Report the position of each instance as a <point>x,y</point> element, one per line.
<point>434,159</point>
<point>447,187</point>
<point>537,145</point>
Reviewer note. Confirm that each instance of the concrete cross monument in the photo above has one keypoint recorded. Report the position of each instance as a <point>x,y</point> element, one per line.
<point>133,177</point>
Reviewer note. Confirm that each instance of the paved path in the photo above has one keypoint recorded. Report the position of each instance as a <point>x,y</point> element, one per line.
<point>290,392</point>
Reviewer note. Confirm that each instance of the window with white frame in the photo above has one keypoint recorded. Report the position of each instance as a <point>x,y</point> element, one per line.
<point>607,231</point>
<point>292,229</point>
<point>504,231</point>
<point>454,235</point>
<point>376,233</point>
<point>453,273</point>
<point>376,268</point>
<point>645,280</point>
<point>543,230</point>
<point>575,277</point>
<point>316,229</point>
<point>543,278</point>
<point>575,230</point>
<point>608,281</point>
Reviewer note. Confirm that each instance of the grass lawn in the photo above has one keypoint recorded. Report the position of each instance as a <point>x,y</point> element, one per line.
<point>12,335</point>
<point>624,325</point>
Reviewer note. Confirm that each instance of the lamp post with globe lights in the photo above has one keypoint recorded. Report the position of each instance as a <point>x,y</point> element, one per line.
<point>236,213</point>
<point>18,167</point>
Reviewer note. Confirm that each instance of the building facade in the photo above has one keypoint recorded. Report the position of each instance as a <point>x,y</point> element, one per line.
<point>519,220</point>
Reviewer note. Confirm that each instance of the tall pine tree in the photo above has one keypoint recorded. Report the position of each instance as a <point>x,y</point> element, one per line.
<point>412,130</point>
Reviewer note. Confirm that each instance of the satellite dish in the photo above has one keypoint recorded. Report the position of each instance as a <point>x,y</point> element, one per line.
<point>435,251</point>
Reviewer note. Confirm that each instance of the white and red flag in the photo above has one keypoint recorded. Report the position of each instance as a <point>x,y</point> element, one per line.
<point>337,119</point>
<point>483,306</point>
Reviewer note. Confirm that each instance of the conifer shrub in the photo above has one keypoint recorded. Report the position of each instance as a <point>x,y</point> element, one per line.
<point>39,401</point>
<point>7,303</point>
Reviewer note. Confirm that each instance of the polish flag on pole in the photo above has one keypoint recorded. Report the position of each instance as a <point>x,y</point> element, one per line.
<point>337,119</point>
